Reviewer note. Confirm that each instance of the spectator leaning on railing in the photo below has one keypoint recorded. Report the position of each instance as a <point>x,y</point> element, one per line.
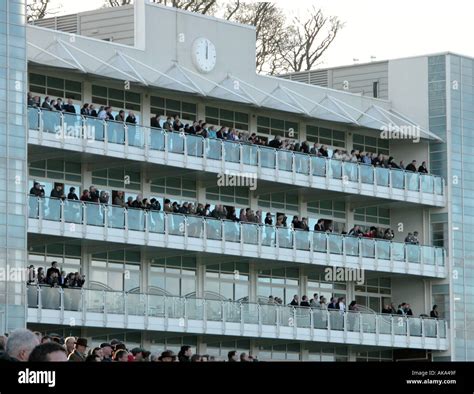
<point>224,132</point>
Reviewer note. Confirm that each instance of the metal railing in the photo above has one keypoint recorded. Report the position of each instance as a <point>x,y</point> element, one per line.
<point>170,307</point>
<point>190,226</point>
<point>74,126</point>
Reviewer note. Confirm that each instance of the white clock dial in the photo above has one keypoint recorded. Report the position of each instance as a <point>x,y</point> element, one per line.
<point>204,55</point>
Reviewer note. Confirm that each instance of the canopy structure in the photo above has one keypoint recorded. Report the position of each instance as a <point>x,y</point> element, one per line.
<point>108,59</point>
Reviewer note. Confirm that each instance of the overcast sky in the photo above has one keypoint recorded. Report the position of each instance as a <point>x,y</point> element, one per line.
<point>384,29</point>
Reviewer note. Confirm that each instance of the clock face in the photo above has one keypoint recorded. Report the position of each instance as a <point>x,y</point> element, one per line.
<point>204,55</point>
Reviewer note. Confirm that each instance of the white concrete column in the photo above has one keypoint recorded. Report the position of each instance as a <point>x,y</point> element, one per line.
<point>146,111</point>
<point>253,279</point>
<point>87,92</point>
<point>200,277</point>
<point>201,347</point>
<point>201,111</point>
<point>303,283</point>
<point>349,141</point>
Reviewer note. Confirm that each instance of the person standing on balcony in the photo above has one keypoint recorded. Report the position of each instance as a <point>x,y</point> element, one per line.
<point>332,304</point>
<point>341,304</point>
<point>411,167</point>
<point>72,194</point>
<point>46,103</point>
<point>37,190</point>
<point>356,231</point>
<point>120,117</point>
<point>131,118</point>
<point>31,275</point>
<point>177,125</point>
<point>423,169</point>
<point>295,301</point>
<point>275,143</point>
<point>434,312</point>
<point>93,194</point>
<point>57,192</point>
<point>85,111</point>
<point>53,270</point>
<point>304,301</point>
<point>69,107</point>
<point>58,104</point>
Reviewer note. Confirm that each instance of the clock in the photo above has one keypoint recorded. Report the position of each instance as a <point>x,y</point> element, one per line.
<point>204,55</point>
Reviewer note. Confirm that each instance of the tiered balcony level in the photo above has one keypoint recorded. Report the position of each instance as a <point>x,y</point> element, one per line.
<point>116,139</point>
<point>202,234</point>
<point>100,308</point>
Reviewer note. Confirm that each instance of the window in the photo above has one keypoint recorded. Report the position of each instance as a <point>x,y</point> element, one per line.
<point>117,270</point>
<point>179,187</point>
<point>224,117</point>
<point>282,200</point>
<point>228,194</point>
<point>55,87</point>
<point>229,280</point>
<point>220,350</point>
<point>372,215</point>
<point>325,136</point>
<point>317,283</point>
<point>375,89</point>
<point>382,286</point>
<point>159,342</point>
<point>56,169</point>
<point>67,256</point>
<point>272,126</point>
<point>170,107</point>
<point>288,352</point>
<point>117,177</point>
<point>336,209</point>
<point>173,275</point>
<point>282,283</point>
<point>439,229</point>
<point>371,144</point>
<point>117,98</point>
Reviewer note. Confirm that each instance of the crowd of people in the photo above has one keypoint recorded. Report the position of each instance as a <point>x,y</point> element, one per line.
<point>219,211</point>
<point>206,130</point>
<point>24,345</point>
<point>54,277</point>
<point>339,303</point>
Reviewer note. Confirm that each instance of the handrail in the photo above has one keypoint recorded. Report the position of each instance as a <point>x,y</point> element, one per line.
<point>190,308</point>
<point>49,208</point>
<point>433,182</point>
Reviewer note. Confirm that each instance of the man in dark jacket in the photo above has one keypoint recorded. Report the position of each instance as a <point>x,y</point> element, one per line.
<point>79,353</point>
<point>275,143</point>
<point>411,167</point>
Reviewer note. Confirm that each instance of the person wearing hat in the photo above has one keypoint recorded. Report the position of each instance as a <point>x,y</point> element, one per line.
<point>79,353</point>
<point>167,357</point>
<point>106,352</point>
<point>140,354</point>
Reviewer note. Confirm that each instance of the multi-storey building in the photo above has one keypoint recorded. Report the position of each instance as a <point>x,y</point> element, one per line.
<point>437,91</point>
<point>163,279</point>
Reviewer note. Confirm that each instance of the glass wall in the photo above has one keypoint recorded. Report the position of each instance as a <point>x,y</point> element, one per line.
<point>174,276</point>
<point>282,283</point>
<point>118,270</point>
<point>13,161</point>
<point>461,161</point>
<point>227,280</point>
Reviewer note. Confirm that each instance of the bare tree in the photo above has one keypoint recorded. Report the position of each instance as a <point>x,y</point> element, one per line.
<point>271,34</point>
<point>36,9</point>
<point>283,45</point>
<point>199,6</point>
<point>308,40</point>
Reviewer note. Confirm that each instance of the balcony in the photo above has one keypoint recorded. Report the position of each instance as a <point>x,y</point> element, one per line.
<point>116,139</point>
<point>100,308</point>
<point>202,234</point>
